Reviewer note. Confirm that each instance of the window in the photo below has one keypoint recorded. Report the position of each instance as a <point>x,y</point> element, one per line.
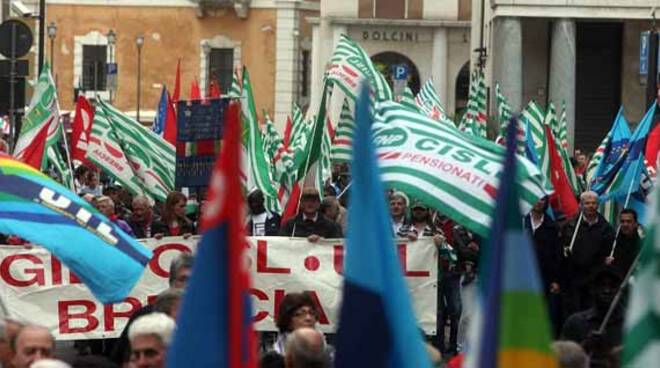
<point>306,70</point>
<point>94,67</point>
<point>221,67</point>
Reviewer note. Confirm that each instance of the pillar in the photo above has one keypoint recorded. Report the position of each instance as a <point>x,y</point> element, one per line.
<point>562,71</point>
<point>507,61</point>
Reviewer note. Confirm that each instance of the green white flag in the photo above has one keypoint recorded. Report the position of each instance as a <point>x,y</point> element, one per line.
<point>342,149</point>
<point>43,113</point>
<point>446,169</point>
<point>349,65</point>
<point>562,142</point>
<point>407,99</point>
<point>235,89</point>
<point>106,152</point>
<point>476,118</point>
<point>642,324</point>
<point>256,169</point>
<point>151,157</point>
<point>61,167</point>
<point>428,101</point>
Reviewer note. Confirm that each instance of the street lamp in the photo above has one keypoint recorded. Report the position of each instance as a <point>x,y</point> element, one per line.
<point>52,32</point>
<point>111,36</point>
<point>139,41</point>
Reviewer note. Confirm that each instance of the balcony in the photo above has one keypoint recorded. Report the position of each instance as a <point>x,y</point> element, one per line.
<point>240,6</point>
<point>607,9</point>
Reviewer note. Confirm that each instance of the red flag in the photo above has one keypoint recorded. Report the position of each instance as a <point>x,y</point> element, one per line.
<point>287,131</point>
<point>214,89</point>
<point>80,130</point>
<point>177,82</point>
<point>195,94</point>
<point>169,131</point>
<point>331,130</point>
<point>218,290</point>
<point>291,208</point>
<point>563,198</point>
<point>653,146</point>
<point>34,153</point>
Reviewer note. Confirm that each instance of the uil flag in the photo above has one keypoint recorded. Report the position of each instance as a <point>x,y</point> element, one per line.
<point>36,208</point>
<point>81,129</point>
<point>216,315</point>
<point>377,326</point>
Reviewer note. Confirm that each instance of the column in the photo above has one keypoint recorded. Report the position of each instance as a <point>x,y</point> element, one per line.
<point>286,60</point>
<point>507,61</point>
<point>562,71</point>
<point>440,62</point>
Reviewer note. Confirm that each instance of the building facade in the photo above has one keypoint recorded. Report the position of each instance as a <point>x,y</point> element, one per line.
<point>430,36</point>
<point>582,52</point>
<point>209,37</point>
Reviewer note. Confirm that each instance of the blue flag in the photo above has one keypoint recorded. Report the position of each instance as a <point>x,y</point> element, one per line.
<point>161,115</point>
<point>40,210</point>
<point>632,183</point>
<point>614,154</point>
<point>377,327</point>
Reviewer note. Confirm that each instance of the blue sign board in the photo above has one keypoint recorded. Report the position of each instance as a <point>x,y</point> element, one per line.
<point>400,72</point>
<point>644,53</point>
<point>112,68</point>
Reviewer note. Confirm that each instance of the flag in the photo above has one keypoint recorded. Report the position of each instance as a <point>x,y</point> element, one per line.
<point>256,171</point>
<point>61,167</point>
<point>342,148</point>
<point>195,93</point>
<point>152,159</point>
<point>652,149</point>
<point>81,128</point>
<point>445,168</point>
<point>214,89</point>
<point>177,82</point>
<point>288,126</point>
<point>407,99</point>
<point>5,128</point>
<point>642,324</point>
<point>610,155</point>
<point>562,142</point>
<point>161,113</point>
<point>216,315</point>
<point>44,111</point>
<point>235,91</point>
<point>511,328</point>
<point>349,65</point>
<point>475,119</point>
<point>428,101</point>
<point>632,182</point>
<point>36,208</point>
<point>563,199</point>
<point>170,126</point>
<point>534,119</point>
<point>377,327</point>
<point>106,152</point>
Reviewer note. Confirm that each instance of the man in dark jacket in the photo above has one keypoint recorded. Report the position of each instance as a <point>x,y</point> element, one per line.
<point>545,234</point>
<point>592,245</point>
<point>628,243</point>
<point>260,221</point>
<point>142,218</point>
<point>310,222</point>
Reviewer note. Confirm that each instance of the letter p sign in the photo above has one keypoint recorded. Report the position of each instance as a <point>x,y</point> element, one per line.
<point>400,72</point>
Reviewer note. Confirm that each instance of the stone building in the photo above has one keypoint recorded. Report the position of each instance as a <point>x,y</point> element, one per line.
<point>210,37</point>
<point>583,52</point>
<point>430,36</point>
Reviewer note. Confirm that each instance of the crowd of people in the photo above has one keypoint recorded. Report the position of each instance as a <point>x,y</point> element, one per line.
<point>581,266</point>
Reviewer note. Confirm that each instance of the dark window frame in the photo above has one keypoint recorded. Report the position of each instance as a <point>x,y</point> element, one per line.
<point>94,68</point>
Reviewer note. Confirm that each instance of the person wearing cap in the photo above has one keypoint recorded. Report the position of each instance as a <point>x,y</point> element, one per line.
<point>582,327</point>
<point>310,222</point>
<point>261,222</point>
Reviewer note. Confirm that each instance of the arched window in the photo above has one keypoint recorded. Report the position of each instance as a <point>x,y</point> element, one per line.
<point>462,90</point>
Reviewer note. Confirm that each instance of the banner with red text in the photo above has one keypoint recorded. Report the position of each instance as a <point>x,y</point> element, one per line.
<point>35,287</point>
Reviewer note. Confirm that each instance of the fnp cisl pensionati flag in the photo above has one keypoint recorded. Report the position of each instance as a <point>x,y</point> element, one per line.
<point>445,168</point>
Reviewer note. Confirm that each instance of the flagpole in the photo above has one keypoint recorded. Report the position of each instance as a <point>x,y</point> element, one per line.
<point>345,190</point>
<point>625,205</point>
<point>325,91</point>
<point>569,250</point>
<point>68,159</point>
<point>618,295</point>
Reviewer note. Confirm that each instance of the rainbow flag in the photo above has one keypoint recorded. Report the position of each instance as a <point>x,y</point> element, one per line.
<point>511,328</point>
<point>38,209</point>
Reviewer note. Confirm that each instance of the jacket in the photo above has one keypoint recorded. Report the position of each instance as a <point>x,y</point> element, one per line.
<point>323,227</point>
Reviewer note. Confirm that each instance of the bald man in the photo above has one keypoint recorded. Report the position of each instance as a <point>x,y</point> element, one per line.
<point>306,349</point>
<point>32,343</point>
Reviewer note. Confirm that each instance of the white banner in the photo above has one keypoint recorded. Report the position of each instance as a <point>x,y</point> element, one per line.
<point>36,287</point>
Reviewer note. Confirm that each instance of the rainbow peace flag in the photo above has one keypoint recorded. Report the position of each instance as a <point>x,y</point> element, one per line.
<point>38,209</point>
<point>511,327</point>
